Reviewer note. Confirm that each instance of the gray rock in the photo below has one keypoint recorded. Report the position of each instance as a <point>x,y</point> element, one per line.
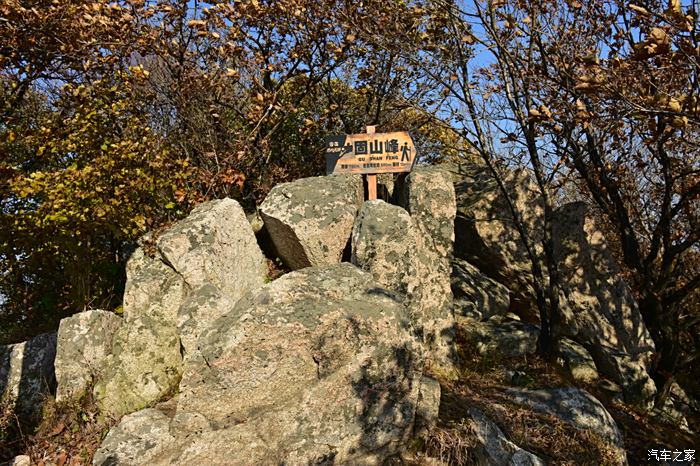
<point>310,220</point>
<point>27,375</point>
<point>485,235</point>
<point>384,244</point>
<point>320,365</point>
<point>145,363</point>
<point>152,287</point>
<point>213,251</point>
<point>428,407</point>
<point>215,245</point>
<point>428,195</point>
<point>138,439</point>
<point>385,186</point>
<point>597,307</point>
<point>577,361</point>
<point>475,294</point>
<point>628,371</point>
<point>200,309</point>
<point>577,408</point>
<point>493,447</point>
<point>84,341</point>
<point>501,336</point>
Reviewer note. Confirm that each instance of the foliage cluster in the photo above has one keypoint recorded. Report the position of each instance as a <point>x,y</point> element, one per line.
<point>118,117</point>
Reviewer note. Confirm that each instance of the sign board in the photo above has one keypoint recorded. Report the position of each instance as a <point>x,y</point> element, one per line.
<point>370,153</point>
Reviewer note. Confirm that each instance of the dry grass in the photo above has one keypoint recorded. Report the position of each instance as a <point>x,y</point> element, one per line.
<point>453,444</point>
<point>68,434</point>
<point>480,384</point>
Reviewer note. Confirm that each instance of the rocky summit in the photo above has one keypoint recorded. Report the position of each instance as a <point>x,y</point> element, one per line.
<point>363,352</point>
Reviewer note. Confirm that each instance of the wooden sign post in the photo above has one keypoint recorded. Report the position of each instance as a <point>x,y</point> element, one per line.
<point>369,154</point>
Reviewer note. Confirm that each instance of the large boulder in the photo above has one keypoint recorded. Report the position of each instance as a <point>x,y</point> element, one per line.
<point>84,341</point>
<point>145,363</point>
<point>476,295</point>
<point>384,244</point>
<point>485,233</point>
<point>597,307</point>
<point>577,408</point>
<point>213,252</point>
<point>319,366</point>
<point>215,245</point>
<point>310,220</point>
<point>428,195</point>
<point>27,375</point>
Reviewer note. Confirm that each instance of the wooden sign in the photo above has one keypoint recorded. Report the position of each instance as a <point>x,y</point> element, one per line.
<point>370,153</point>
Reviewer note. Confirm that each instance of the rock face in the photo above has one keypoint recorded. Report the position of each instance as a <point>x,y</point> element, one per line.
<point>598,309</point>
<point>310,220</point>
<point>203,306</point>
<point>577,408</point>
<point>84,341</point>
<point>213,252</point>
<point>138,439</point>
<point>27,374</point>
<point>215,245</point>
<point>145,363</point>
<point>502,336</point>
<point>476,295</point>
<point>577,361</point>
<point>319,366</point>
<point>484,231</point>
<point>428,195</point>
<point>493,447</point>
<point>384,244</point>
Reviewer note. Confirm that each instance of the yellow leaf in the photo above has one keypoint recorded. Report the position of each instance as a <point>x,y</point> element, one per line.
<point>641,10</point>
<point>675,6</point>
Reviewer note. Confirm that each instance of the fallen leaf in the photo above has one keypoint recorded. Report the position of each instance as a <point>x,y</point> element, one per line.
<point>57,430</point>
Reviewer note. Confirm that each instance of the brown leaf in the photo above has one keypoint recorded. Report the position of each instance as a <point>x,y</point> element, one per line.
<point>57,430</point>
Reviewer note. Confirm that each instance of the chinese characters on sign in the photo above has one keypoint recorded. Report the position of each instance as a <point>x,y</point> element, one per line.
<point>370,153</point>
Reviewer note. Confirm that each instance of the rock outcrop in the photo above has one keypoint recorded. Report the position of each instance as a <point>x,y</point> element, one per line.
<point>476,295</point>
<point>428,195</point>
<point>597,307</point>
<point>577,361</point>
<point>320,365</point>
<point>27,375</point>
<point>213,248</point>
<point>501,336</point>
<point>341,363</point>
<point>384,244</point>
<point>214,245</point>
<point>485,234</point>
<point>145,362</point>
<point>310,220</point>
<point>577,408</point>
<point>84,342</point>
